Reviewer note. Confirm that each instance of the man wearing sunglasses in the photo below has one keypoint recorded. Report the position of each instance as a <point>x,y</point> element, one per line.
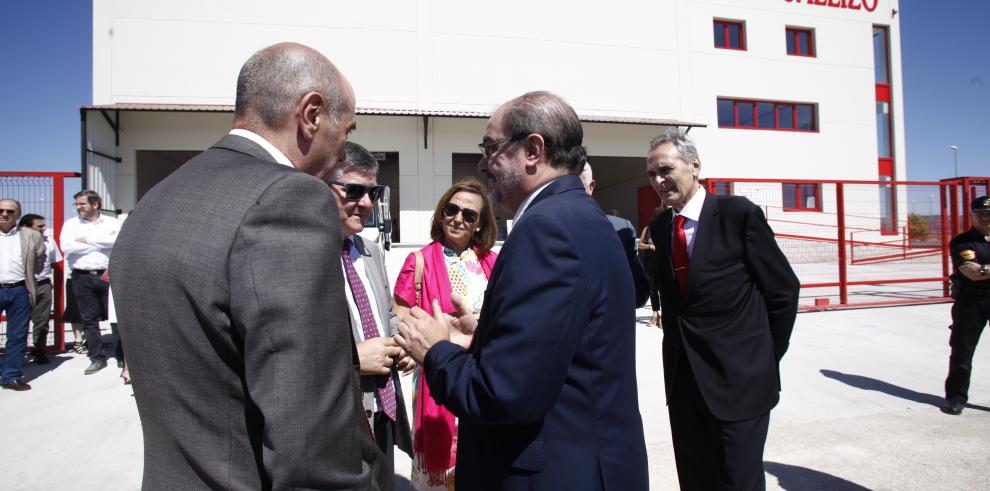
<point>227,282</point>
<point>546,394</point>
<point>369,301</point>
<point>22,254</point>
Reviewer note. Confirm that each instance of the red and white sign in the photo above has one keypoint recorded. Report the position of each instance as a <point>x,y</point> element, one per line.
<point>867,5</point>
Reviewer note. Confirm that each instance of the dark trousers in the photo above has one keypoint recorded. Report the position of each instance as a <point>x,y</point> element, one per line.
<point>710,453</point>
<point>40,316</point>
<point>16,302</point>
<point>91,298</point>
<point>384,429</point>
<point>648,258</point>
<point>969,317</point>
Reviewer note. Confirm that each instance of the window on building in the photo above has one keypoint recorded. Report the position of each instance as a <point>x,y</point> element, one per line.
<point>721,188</point>
<point>800,42</point>
<point>881,74</point>
<point>767,115</point>
<point>802,197</point>
<point>730,34</point>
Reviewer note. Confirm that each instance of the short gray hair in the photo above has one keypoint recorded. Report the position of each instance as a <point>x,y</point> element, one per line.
<point>358,159</point>
<point>681,142</point>
<point>272,81</point>
<point>551,117</point>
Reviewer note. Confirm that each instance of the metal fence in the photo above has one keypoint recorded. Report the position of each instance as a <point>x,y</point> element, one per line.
<point>863,243</point>
<point>42,193</point>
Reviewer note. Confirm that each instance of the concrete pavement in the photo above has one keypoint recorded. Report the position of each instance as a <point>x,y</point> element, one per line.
<point>859,410</point>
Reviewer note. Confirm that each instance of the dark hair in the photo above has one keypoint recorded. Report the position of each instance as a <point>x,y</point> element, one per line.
<point>359,159</point>
<point>29,219</point>
<point>484,238</point>
<point>551,117</point>
<point>91,196</point>
<point>272,81</point>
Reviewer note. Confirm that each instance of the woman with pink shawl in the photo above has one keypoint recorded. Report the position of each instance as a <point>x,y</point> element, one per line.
<point>457,262</point>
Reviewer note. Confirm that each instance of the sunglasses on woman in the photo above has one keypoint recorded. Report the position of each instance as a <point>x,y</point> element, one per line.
<point>451,210</point>
<point>355,192</point>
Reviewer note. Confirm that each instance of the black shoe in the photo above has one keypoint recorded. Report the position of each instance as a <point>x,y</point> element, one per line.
<point>96,366</point>
<point>17,384</point>
<point>40,357</point>
<point>954,408</point>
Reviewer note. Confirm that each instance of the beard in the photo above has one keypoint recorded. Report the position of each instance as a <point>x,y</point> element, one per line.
<point>504,186</point>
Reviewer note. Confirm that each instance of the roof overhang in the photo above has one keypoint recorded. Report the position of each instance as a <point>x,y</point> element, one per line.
<point>371,111</point>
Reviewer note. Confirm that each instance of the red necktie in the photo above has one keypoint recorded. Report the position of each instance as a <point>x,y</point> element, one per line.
<point>680,252</point>
<point>383,383</point>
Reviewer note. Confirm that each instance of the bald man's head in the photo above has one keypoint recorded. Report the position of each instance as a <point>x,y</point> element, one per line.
<point>273,80</point>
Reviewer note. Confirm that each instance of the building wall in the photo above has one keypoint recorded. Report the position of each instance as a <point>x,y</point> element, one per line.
<point>634,58</point>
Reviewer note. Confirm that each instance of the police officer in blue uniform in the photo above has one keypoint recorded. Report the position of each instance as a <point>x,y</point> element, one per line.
<point>971,264</point>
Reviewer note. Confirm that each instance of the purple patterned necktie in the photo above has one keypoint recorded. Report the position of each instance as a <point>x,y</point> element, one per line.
<point>383,383</point>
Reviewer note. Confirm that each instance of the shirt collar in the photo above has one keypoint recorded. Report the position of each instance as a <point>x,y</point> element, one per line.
<point>13,231</point>
<point>529,199</point>
<point>263,143</point>
<point>692,210</point>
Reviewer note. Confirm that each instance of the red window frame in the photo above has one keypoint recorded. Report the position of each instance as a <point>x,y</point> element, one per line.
<point>725,27</point>
<point>798,198</point>
<point>792,32</point>
<point>777,106</point>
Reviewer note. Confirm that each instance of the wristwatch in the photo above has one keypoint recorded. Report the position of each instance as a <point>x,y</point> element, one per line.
<point>984,269</point>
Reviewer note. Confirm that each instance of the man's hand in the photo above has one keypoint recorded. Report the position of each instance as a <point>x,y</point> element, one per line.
<point>971,270</point>
<point>405,363</point>
<point>463,323</point>
<point>419,331</point>
<point>377,355</point>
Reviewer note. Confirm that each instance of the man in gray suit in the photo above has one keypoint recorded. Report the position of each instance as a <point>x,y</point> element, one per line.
<point>228,288</point>
<point>22,253</point>
<point>356,191</point>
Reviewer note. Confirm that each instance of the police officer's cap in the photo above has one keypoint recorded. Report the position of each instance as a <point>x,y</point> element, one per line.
<point>980,204</point>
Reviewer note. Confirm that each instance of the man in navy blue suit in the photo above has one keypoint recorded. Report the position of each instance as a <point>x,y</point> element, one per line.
<point>546,390</point>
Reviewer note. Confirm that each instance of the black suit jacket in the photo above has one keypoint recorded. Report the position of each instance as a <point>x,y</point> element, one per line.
<point>547,394</point>
<point>733,322</point>
<point>229,292</point>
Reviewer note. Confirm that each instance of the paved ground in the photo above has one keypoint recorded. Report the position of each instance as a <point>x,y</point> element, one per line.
<point>858,411</point>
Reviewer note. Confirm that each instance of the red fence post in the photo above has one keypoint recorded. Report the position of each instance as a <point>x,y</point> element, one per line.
<point>840,211</point>
<point>944,238</point>
<point>58,218</point>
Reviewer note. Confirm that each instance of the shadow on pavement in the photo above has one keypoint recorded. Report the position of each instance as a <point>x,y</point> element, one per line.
<point>867,383</point>
<point>795,477</point>
<point>33,370</point>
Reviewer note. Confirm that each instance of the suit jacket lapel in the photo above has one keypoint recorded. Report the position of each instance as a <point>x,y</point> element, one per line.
<point>702,241</point>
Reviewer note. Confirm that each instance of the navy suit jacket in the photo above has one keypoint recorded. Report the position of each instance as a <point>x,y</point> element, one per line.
<point>547,394</point>
<point>733,322</point>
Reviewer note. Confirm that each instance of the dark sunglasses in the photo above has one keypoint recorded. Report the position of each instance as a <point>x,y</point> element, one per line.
<point>451,210</point>
<point>355,192</point>
<point>8,212</point>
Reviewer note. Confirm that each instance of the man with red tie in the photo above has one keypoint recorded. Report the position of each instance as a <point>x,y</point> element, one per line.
<point>729,300</point>
<point>369,301</point>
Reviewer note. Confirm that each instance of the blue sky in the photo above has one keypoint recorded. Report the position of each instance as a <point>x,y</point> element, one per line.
<point>47,61</point>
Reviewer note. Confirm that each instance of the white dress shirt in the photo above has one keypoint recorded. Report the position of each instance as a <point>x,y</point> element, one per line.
<point>94,254</point>
<point>358,261</point>
<point>52,256</point>
<point>11,262</point>
<point>691,212</point>
<point>263,143</point>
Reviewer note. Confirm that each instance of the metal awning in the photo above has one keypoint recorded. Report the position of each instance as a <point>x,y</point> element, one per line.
<point>372,111</point>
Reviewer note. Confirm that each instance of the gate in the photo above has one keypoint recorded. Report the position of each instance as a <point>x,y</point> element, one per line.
<point>42,193</point>
<point>863,243</point>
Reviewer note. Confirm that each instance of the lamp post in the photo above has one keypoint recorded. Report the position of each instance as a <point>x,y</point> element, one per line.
<point>955,159</point>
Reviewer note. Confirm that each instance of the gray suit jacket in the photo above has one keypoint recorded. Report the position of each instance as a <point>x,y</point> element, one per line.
<point>231,304</point>
<point>374,268</point>
<point>33,257</point>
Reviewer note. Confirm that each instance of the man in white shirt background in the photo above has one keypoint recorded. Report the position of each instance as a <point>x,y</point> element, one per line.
<point>86,242</point>
<point>42,311</point>
<point>21,254</point>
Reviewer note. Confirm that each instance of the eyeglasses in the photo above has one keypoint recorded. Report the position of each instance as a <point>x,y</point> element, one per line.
<point>7,212</point>
<point>489,147</point>
<point>354,192</point>
<point>451,210</point>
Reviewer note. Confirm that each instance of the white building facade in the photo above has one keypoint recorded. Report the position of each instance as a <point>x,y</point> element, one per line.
<point>781,89</point>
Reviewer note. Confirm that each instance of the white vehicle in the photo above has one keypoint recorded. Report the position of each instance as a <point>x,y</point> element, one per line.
<point>378,227</point>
